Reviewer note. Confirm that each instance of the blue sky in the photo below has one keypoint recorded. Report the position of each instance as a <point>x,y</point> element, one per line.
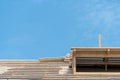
<point>33,29</point>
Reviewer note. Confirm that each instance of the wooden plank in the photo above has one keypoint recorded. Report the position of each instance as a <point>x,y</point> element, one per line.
<point>52,60</point>
<point>101,63</point>
<point>91,54</point>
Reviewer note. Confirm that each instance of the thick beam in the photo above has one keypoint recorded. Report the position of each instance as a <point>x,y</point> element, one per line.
<point>74,61</point>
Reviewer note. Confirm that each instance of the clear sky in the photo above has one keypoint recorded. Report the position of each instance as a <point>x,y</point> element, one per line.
<point>33,29</point>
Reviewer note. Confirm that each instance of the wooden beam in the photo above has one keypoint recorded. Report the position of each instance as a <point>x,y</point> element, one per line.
<point>101,63</point>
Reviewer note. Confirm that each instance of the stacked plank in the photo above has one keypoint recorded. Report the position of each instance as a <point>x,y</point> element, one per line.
<point>30,69</point>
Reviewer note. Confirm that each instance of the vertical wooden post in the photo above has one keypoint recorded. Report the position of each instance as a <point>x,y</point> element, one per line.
<point>106,61</point>
<point>73,61</point>
<point>99,40</point>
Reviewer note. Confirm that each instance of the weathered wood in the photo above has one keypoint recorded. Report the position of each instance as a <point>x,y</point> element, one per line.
<point>102,63</point>
<point>51,60</point>
<point>104,53</point>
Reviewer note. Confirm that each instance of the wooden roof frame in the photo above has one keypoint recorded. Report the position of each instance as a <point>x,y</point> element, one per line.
<point>93,52</point>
